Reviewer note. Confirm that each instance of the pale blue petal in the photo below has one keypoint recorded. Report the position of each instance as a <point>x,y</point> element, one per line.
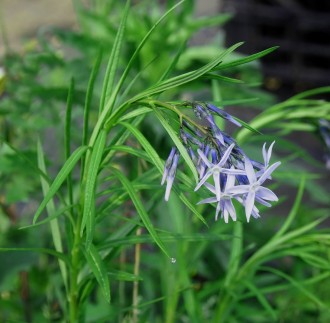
<point>239,189</point>
<point>208,200</point>
<point>269,154</point>
<point>168,187</point>
<point>217,211</point>
<point>261,201</point>
<point>164,175</point>
<point>210,187</point>
<point>232,171</point>
<point>250,171</point>
<point>225,215</point>
<point>264,154</point>
<point>266,194</point>
<point>216,179</point>
<point>267,172</point>
<point>205,159</point>
<point>202,181</point>
<point>230,207</point>
<point>249,203</point>
<point>230,182</point>
<point>226,155</point>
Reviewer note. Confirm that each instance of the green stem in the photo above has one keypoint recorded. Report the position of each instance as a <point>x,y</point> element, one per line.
<point>75,255</point>
<point>231,277</point>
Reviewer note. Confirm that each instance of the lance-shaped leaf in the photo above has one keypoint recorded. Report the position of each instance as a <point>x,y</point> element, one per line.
<point>60,178</point>
<point>99,270</point>
<point>140,209</point>
<point>92,169</point>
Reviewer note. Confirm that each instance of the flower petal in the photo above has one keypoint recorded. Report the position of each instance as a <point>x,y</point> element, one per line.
<point>266,194</point>
<point>230,207</point>
<point>208,200</point>
<point>269,153</point>
<point>250,171</point>
<point>230,182</point>
<point>267,172</point>
<point>203,180</point>
<point>226,155</point>
<point>239,189</point>
<point>210,187</point>
<point>217,211</point>
<point>249,203</point>
<point>216,178</point>
<point>204,158</point>
<point>261,201</point>
<point>168,187</point>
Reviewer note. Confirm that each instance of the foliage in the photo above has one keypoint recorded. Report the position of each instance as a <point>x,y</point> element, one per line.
<point>107,106</point>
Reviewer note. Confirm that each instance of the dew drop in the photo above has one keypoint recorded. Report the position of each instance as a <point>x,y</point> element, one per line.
<point>173,260</point>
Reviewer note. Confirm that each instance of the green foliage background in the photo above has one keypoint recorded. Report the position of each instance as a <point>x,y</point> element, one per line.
<point>85,128</point>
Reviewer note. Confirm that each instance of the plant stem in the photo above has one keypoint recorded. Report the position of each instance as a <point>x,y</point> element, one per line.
<point>75,254</point>
<point>136,282</point>
<point>231,277</point>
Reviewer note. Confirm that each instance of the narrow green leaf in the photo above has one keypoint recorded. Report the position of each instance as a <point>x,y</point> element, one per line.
<point>132,151</point>
<point>89,189</point>
<point>247,59</point>
<point>140,209</point>
<point>123,276</point>
<point>60,178</point>
<point>184,78</point>
<point>294,210</point>
<point>320,90</point>
<point>135,113</point>
<point>142,43</point>
<point>177,143</point>
<point>110,74</point>
<point>54,225</point>
<point>247,126</point>
<point>49,218</point>
<point>298,285</point>
<point>67,136</point>
<point>175,60</point>
<point>99,270</point>
<point>120,138</point>
<point>214,76</point>
<point>146,145</point>
<point>261,298</point>
<point>89,96</point>
<point>191,207</point>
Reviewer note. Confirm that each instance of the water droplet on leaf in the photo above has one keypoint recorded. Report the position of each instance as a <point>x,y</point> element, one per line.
<point>173,260</point>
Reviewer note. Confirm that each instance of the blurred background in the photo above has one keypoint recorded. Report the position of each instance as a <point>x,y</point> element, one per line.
<point>49,43</point>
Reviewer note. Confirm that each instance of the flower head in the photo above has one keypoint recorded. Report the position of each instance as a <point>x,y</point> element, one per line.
<point>254,190</point>
<point>220,161</point>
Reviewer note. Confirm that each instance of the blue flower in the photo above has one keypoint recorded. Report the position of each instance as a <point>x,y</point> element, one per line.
<point>254,190</point>
<point>225,204</point>
<point>216,154</point>
<point>216,169</point>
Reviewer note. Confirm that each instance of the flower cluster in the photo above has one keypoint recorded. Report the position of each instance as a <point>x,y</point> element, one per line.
<point>223,167</point>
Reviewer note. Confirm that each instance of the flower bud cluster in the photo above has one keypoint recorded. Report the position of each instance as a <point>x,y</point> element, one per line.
<point>223,167</point>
